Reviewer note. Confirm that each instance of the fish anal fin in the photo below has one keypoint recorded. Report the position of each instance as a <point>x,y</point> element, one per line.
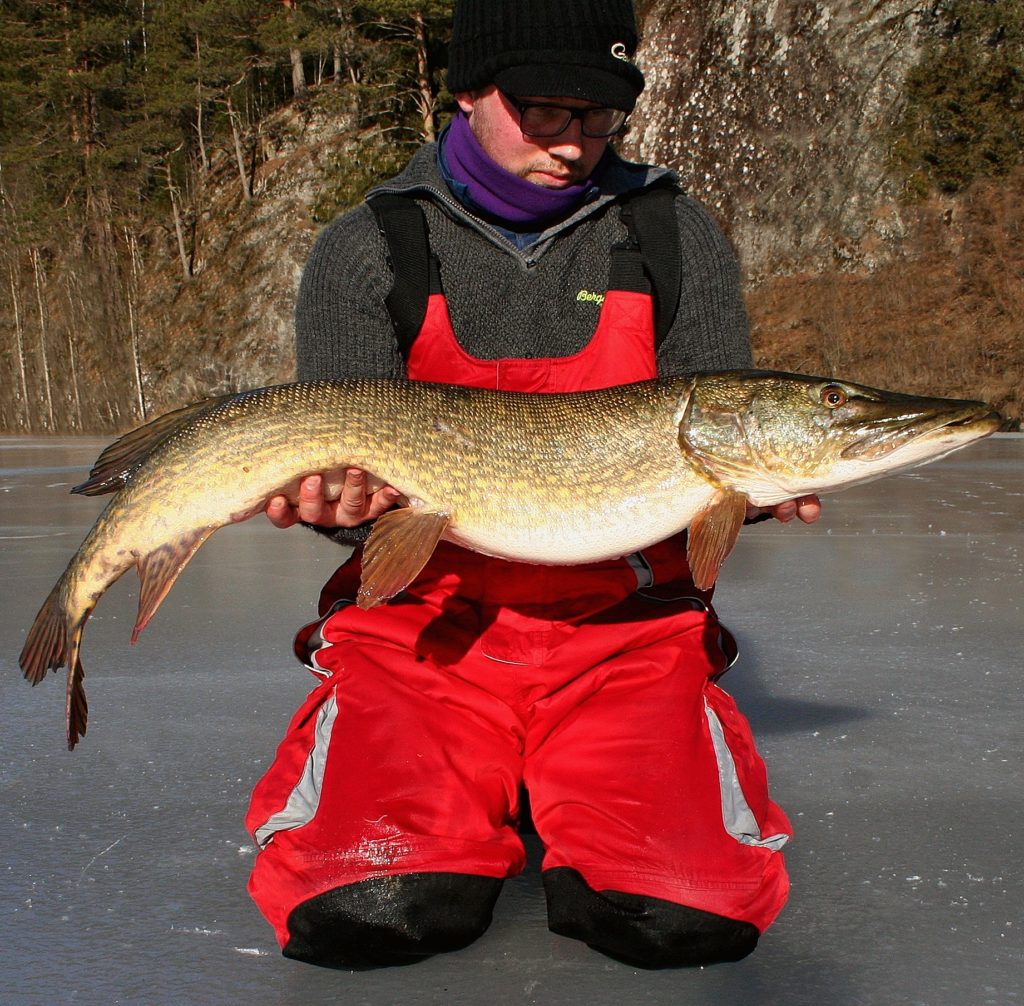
<point>399,546</point>
<point>712,534</point>
<point>160,568</point>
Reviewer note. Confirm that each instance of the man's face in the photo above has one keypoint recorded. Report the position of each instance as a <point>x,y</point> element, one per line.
<point>555,162</point>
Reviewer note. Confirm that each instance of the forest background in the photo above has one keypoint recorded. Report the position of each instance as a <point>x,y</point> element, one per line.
<point>165,166</point>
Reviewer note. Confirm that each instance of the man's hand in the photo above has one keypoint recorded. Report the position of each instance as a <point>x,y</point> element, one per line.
<point>355,505</point>
<point>807,508</point>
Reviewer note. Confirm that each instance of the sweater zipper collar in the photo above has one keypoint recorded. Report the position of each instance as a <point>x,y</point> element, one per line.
<point>441,195</point>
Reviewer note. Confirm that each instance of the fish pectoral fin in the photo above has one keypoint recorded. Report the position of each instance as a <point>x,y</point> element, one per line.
<point>399,546</point>
<point>712,534</point>
<point>160,568</point>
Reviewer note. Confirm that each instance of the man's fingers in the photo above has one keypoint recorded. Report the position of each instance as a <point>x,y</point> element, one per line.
<point>311,499</point>
<point>353,507</point>
<point>784,512</point>
<point>353,493</point>
<point>808,509</point>
<point>280,512</point>
<point>381,502</point>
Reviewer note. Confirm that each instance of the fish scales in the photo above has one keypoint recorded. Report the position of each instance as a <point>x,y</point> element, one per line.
<point>539,454</point>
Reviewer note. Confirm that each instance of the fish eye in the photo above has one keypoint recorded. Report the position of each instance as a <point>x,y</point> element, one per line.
<point>833,396</point>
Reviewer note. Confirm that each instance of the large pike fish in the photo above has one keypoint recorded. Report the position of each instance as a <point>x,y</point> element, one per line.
<point>554,479</point>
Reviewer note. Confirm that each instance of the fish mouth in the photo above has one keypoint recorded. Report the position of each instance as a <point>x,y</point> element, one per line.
<point>886,434</point>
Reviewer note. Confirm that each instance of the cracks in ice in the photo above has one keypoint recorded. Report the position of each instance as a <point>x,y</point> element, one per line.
<point>98,855</point>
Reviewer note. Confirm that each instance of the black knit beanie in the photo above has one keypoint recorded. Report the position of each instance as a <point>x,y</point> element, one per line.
<point>547,48</point>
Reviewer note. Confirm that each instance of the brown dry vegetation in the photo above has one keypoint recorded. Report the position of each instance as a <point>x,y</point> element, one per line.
<point>946,318</point>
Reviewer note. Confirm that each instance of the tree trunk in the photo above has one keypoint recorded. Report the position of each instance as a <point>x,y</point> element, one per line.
<point>298,72</point>
<point>133,332</point>
<point>344,43</point>
<point>295,53</point>
<point>204,161</point>
<point>236,136</point>
<point>20,337</point>
<point>179,232</point>
<point>72,326</point>
<point>145,38</point>
<point>77,421</point>
<point>43,359</point>
<point>425,89</point>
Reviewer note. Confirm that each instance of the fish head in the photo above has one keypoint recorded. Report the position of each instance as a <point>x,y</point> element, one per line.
<point>775,436</point>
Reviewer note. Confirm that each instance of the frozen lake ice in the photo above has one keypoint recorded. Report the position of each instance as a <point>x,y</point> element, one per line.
<point>881,665</point>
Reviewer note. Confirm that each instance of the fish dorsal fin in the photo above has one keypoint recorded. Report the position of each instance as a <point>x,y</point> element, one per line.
<point>117,462</point>
<point>399,546</point>
<point>712,534</point>
<point>160,568</point>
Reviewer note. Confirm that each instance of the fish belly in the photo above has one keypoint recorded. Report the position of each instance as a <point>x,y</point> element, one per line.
<point>585,534</point>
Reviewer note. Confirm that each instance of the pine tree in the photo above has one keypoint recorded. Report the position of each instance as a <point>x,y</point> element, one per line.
<point>113,117</point>
<point>964,117</point>
<point>419,29</point>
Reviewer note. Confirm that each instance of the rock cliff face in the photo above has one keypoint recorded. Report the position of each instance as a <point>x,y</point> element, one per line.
<point>230,326</point>
<point>777,115</point>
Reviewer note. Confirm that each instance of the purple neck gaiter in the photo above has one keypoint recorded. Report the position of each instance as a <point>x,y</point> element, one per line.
<point>498,192</point>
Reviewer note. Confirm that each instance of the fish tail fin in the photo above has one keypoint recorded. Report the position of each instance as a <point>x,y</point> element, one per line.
<point>160,568</point>
<point>76,708</point>
<point>46,645</point>
<point>54,641</point>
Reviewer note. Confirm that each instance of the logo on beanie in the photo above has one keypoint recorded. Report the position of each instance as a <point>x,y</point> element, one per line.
<point>619,52</point>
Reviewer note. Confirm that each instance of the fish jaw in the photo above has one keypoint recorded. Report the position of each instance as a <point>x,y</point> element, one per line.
<point>912,450</point>
<point>767,490</point>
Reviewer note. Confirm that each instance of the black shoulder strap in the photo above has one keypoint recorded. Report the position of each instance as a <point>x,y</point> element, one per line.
<point>415,273</point>
<point>650,218</point>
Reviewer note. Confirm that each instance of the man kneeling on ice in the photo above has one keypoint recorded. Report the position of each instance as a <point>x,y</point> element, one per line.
<point>511,255</point>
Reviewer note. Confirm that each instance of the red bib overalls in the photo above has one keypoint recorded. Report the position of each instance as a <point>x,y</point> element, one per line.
<point>433,709</point>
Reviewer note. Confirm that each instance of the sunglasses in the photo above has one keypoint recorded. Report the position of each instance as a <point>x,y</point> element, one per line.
<point>541,119</point>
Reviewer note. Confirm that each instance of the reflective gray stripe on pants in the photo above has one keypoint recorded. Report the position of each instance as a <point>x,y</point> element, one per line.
<point>316,641</point>
<point>641,569</point>
<point>737,816</point>
<point>304,799</point>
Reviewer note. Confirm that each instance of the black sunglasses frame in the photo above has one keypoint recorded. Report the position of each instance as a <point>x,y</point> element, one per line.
<point>522,107</point>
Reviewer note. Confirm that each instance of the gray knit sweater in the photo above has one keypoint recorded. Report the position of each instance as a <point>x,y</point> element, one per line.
<point>505,302</point>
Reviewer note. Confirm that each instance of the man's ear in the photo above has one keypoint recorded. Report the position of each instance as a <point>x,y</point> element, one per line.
<point>467,99</point>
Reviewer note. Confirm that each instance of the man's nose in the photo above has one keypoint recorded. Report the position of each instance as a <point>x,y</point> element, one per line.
<point>568,145</point>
